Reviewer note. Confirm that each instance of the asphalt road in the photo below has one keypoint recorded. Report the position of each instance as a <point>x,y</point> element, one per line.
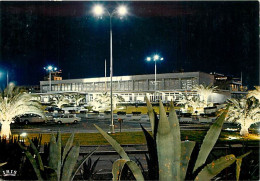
<point>87,126</point>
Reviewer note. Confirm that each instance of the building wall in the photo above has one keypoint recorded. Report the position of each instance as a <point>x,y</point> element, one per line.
<point>219,97</point>
<point>136,83</point>
<point>133,88</point>
<point>206,79</point>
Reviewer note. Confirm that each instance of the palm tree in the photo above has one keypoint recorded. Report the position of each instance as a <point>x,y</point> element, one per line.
<point>60,101</point>
<point>77,98</point>
<point>255,93</point>
<point>102,101</point>
<point>13,103</point>
<point>204,92</point>
<point>244,112</point>
<point>192,102</point>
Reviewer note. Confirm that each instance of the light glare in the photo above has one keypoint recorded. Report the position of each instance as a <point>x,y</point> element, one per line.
<point>98,10</point>
<point>50,67</point>
<point>122,10</point>
<point>156,57</point>
<point>148,58</point>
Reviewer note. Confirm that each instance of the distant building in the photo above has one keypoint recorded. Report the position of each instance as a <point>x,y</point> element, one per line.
<point>230,84</point>
<point>169,86</point>
<point>132,88</point>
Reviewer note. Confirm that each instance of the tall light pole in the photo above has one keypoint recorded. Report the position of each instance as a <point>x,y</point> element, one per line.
<point>155,58</point>
<point>50,69</point>
<point>99,10</point>
<point>7,78</point>
<point>105,75</point>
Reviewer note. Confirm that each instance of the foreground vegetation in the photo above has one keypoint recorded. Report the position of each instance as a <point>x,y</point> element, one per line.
<point>169,157</point>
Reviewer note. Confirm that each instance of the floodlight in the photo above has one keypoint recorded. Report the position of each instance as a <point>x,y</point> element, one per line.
<point>122,10</point>
<point>98,10</point>
<point>156,57</point>
<point>50,67</point>
<point>148,58</point>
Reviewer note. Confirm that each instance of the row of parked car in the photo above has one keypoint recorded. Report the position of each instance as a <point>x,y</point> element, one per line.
<point>59,119</point>
<point>68,109</point>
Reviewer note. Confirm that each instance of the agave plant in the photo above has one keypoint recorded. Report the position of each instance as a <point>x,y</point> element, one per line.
<point>173,154</point>
<point>60,101</point>
<point>204,92</point>
<point>88,169</point>
<point>14,103</point>
<point>245,112</point>
<point>62,165</point>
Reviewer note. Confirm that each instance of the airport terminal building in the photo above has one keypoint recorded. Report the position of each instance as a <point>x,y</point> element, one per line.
<point>132,88</point>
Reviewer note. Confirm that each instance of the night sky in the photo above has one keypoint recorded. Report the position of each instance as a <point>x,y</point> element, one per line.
<point>194,36</point>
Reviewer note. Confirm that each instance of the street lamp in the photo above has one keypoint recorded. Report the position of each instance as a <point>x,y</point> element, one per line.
<point>155,58</point>
<point>50,69</point>
<point>99,10</point>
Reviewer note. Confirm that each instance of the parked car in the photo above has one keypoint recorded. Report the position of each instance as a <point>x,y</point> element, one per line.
<point>66,118</point>
<point>71,109</point>
<point>33,118</point>
<point>52,109</point>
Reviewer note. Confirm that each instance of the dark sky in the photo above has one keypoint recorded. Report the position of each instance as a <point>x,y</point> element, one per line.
<point>195,36</point>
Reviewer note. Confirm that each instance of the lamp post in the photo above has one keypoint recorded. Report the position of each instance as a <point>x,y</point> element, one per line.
<point>50,69</point>
<point>7,78</point>
<point>155,58</point>
<point>99,10</point>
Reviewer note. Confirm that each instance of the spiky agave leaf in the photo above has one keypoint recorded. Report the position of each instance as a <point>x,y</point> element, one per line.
<point>210,140</point>
<point>152,160</point>
<point>239,163</point>
<point>81,162</point>
<point>165,146</point>
<point>215,167</point>
<point>135,170</point>
<point>186,150</point>
<point>174,123</point>
<point>118,166</point>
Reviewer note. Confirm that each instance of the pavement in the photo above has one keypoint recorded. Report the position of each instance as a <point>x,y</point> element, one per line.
<point>87,126</point>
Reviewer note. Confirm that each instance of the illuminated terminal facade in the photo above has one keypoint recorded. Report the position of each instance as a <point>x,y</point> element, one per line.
<point>169,86</point>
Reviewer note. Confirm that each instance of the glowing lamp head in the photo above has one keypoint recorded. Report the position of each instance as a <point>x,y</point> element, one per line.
<point>156,57</point>
<point>98,10</point>
<point>161,58</point>
<point>55,68</point>
<point>148,58</point>
<point>49,67</point>
<point>122,10</point>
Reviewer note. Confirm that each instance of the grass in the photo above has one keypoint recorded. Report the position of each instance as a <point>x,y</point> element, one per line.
<point>142,109</point>
<point>85,139</point>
